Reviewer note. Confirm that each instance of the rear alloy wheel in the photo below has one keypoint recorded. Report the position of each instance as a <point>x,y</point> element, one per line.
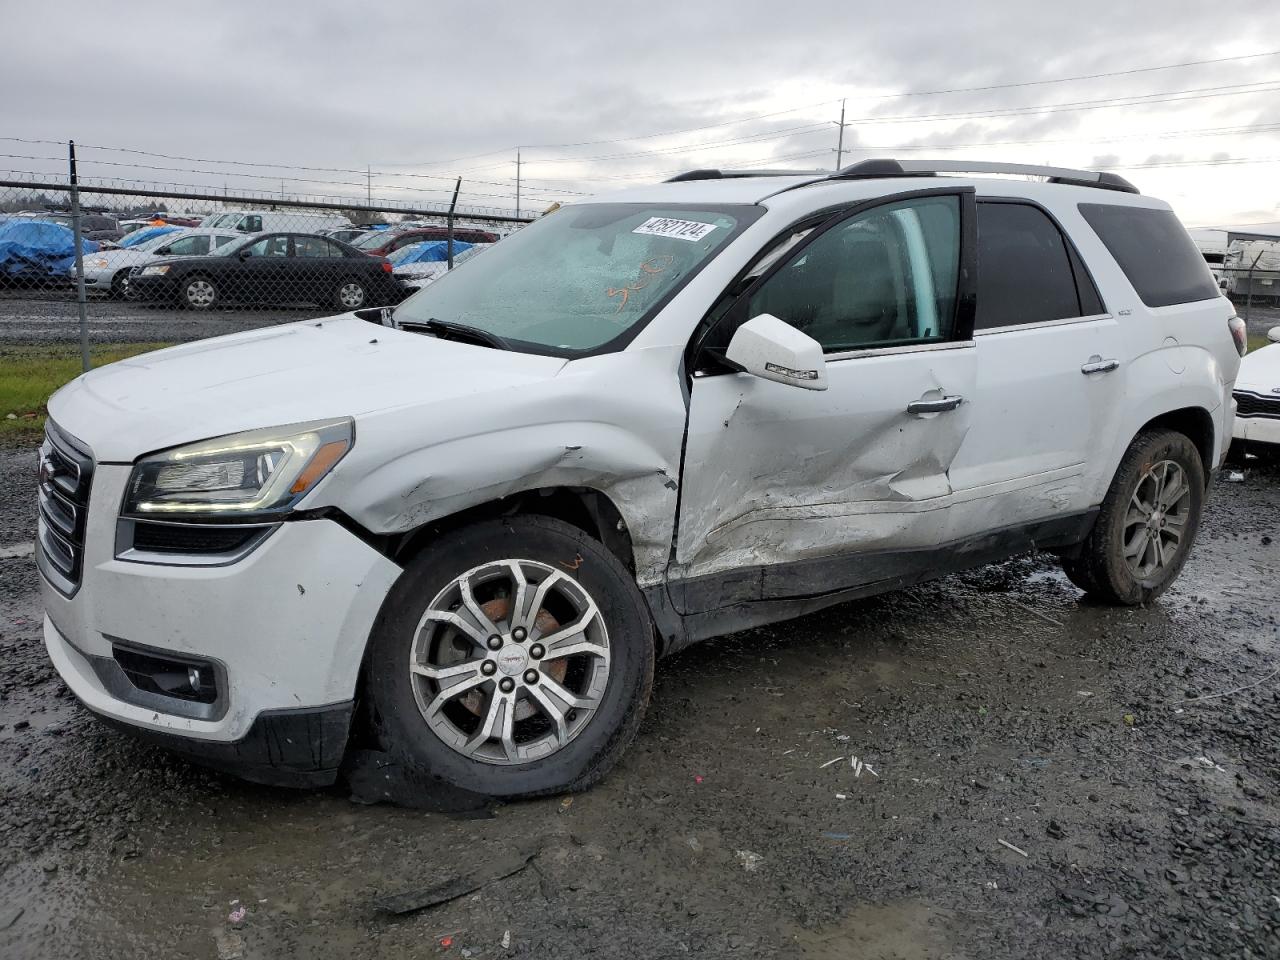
<point>199,293</point>
<point>351,295</point>
<point>514,658</point>
<point>1147,523</point>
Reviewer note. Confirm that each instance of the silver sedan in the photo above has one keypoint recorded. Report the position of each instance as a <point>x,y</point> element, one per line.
<point>107,272</point>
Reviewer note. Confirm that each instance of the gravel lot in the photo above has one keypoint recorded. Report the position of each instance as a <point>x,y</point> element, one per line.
<point>1133,756</point>
<point>54,319</point>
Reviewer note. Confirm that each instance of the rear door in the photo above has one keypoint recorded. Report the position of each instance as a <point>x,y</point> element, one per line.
<point>790,492</point>
<point>1050,375</point>
<point>319,267</point>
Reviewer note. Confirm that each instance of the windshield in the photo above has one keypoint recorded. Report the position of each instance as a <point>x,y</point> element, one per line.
<point>582,276</point>
<point>159,240</point>
<point>373,239</point>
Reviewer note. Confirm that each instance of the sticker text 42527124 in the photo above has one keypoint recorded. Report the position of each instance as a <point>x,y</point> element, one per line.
<point>690,230</point>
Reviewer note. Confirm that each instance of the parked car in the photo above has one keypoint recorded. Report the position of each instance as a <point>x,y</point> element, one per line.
<point>386,242</point>
<point>38,252</point>
<point>469,524</point>
<point>1257,396</point>
<point>345,234</point>
<point>421,263</point>
<point>108,271</point>
<point>93,226</point>
<point>270,269</point>
<point>274,221</point>
<point>147,233</point>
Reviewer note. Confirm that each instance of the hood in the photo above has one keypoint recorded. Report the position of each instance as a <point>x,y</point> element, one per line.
<point>318,369</point>
<point>119,256</point>
<point>1260,371</point>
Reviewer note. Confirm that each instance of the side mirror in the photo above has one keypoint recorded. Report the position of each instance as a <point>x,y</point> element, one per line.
<point>244,254</point>
<point>1274,334</point>
<point>772,349</point>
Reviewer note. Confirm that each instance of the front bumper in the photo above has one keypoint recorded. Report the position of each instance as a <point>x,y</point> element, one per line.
<point>284,628</point>
<point>1256,430</point>
<point>152,288</point>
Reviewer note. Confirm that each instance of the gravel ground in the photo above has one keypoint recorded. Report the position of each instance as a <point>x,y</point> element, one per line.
<point>55,319</point>
<point>1131,756</point>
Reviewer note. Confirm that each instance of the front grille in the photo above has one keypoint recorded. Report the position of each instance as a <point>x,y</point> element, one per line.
<point>192,538</point>
<point>66,474</point>
<point>1254,405</point>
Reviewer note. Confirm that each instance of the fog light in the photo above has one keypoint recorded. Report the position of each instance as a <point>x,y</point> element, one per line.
<point>194,679</point>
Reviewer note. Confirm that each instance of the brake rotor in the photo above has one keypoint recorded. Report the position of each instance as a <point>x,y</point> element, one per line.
<point>497,610</point>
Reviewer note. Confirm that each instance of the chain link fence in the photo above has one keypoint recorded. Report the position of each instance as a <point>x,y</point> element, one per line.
<point>105,264</point>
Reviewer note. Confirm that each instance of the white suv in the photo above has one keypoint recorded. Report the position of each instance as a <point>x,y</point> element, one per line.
<point>463,530</point>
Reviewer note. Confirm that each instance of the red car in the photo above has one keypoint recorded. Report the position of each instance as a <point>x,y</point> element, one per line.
<point>382,242</point>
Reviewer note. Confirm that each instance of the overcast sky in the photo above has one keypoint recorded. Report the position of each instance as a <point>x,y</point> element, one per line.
<point>593,92</point>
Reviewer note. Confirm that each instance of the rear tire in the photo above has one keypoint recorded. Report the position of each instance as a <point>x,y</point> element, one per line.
<point>351,295</point>
<point>1147,524</point>
<point>418,655</point>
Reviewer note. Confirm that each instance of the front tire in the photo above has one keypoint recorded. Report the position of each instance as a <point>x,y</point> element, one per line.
<point>512,658</point>
<point>1147,523</point>
<point>199,293</point>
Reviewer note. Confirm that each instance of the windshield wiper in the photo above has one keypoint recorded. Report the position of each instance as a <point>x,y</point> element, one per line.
<point>446,329</point>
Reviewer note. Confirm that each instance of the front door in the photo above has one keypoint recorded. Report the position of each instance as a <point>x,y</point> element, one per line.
<point>788,492</point>
<point>263,273</point>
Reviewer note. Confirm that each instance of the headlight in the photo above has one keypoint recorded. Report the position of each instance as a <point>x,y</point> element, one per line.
<point>155,271</point>
<point>261,472</point>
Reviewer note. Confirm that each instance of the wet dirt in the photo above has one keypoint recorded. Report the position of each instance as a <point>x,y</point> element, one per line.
<point>1133,756</point>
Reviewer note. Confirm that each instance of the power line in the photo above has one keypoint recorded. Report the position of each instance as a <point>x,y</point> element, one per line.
<point>884,96</point>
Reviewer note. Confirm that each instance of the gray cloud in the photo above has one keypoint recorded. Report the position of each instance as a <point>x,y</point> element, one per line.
<point>333,84</point>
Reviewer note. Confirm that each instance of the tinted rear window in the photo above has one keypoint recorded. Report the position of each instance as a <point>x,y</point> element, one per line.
<point>1024,270</point>
<point>1154,251</point>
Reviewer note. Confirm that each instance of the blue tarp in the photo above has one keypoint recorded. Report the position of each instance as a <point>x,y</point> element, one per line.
<point>38,247</point>
<point>146,233</point>
<point>429,251</point>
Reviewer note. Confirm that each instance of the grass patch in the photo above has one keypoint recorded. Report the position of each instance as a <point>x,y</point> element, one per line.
<point>30,374</point>
<point>1257,341</point>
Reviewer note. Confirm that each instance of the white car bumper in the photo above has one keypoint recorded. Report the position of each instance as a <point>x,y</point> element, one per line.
<point>1257,417</point>
<point>282,631</point>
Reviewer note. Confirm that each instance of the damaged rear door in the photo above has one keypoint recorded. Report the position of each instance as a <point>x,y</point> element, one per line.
<point>788,492</point>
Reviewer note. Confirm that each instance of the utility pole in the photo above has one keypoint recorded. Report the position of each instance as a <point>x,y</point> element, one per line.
<point>840,138</point>
<point>368,185</point>
<point>517,181</point>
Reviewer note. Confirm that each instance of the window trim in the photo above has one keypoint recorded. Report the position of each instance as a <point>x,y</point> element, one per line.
<point>1074,260</point>
<point>965,311</point>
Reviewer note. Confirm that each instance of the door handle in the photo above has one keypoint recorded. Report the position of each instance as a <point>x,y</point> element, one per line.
<point>941,405</point>
<point>1097,365</point>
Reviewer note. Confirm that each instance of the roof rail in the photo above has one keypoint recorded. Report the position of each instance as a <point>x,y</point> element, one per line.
<point>926,168</point>
<point>733,174</point>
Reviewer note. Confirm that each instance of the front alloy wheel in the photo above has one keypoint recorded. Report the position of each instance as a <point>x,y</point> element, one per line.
<point>513,657</point>
<point>510,661</point>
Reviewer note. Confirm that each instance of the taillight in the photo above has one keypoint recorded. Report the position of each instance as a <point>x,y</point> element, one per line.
<point>1240,334</point>
<point>386,266</point>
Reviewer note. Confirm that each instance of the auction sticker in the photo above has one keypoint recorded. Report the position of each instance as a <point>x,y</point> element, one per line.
<point>690,230</point>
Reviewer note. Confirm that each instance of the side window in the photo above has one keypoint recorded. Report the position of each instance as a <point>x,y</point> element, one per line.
<point>883,277</point>
<point>314,247</point>
<point>189,247</point>
<point>1024,268</point>
<point>1154,251</point>
<point>250,223</point>
<point>222,240</point>
<point>277,246</point>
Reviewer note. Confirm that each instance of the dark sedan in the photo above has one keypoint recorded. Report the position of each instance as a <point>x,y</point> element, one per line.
<point>275,268</point>
<point>379,243</point>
